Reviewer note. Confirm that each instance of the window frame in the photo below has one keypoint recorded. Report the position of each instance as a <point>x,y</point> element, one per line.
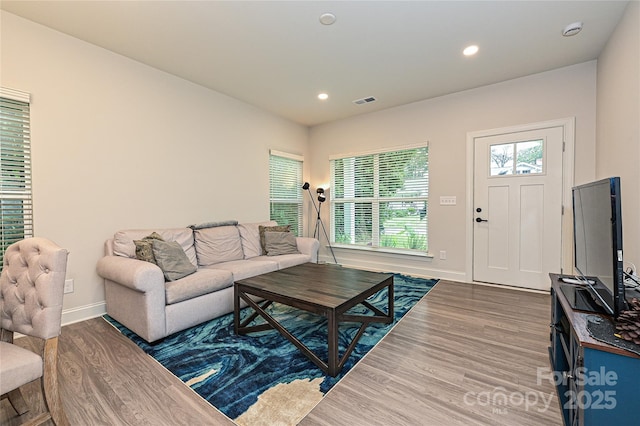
<point>376,200</point>
<point>15,168</point>
<point>295,180</point>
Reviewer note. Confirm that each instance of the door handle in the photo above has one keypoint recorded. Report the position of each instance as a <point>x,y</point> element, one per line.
<point>479,219</point>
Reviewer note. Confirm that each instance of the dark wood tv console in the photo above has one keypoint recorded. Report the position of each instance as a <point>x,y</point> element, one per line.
<point>597,383</point>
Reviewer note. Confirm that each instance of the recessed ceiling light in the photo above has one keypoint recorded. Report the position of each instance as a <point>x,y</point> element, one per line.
<point>470,50</point>
<point>323,96</point>
<point>327,18</point>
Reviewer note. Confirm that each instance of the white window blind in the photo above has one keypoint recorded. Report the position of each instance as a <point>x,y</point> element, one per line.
<point>16,220</point>
<point>285,190</point>
<point>379,200</point>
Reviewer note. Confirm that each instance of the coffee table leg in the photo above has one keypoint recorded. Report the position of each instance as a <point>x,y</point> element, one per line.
<point>332,343</point>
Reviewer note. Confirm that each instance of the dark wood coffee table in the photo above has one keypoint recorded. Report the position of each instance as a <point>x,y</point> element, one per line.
<point>326,290</point>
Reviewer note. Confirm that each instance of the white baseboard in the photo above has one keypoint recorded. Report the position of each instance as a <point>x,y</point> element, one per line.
<point>415,266</point>
<point>510,287</point>
<point>82,313</point>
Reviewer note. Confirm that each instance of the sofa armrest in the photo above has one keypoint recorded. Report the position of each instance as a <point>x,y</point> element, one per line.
<point>135,295</point>
<point>133,273</point>
<point>308,246</point>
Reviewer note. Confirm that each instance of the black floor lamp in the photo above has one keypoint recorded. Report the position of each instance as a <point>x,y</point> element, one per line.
<point>321,199</point>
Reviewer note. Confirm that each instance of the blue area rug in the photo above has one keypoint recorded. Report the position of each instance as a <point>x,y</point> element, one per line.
<point>231,372</point>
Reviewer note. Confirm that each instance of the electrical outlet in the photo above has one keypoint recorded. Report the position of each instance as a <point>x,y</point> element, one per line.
<point>68,286</point>
<point>443,255</point>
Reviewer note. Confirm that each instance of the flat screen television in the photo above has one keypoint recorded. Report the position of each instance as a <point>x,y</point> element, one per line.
<point>597,220</point>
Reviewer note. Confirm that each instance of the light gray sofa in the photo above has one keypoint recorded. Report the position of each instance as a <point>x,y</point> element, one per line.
<point>139,297</point>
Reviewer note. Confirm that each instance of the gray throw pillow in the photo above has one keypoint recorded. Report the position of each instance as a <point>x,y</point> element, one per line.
<point>263,229</point>
<point>277,243</point>
<point>172,260</point>
<point>144,247</point>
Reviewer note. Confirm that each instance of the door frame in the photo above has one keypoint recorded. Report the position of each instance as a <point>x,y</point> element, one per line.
<point>568,126</point>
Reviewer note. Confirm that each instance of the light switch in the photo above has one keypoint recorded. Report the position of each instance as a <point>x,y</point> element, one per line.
<point>449,200</point>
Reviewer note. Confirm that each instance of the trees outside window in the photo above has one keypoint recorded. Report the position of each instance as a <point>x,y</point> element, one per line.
<point>16,221</point>
<point>380,200</point>
<point>285,190</point>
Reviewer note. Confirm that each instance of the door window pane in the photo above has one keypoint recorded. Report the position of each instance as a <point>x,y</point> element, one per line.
<point>529,157</point>
<point>502,159</point>
<point>517,158</point>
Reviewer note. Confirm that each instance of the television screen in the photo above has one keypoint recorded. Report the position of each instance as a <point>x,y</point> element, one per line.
<point>598,241</point>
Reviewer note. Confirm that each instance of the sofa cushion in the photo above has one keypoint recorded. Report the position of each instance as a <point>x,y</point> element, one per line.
<point>277,243</point>
<point>144,247</point>
<point>172,260</point>
<point>123,244</point>
<point>285,260</point>
<point>276,228</point>
<point>242,269</point>
<point>203,281</point>
<point>250,237</point>
<point>219,244</point>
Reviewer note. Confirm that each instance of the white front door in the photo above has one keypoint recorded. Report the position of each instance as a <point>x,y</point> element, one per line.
<point>517,196</point>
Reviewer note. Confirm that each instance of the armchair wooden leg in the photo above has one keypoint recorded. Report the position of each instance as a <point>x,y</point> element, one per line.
<point>37,421</point>
<point>50,383</point>
<point>17,401</point>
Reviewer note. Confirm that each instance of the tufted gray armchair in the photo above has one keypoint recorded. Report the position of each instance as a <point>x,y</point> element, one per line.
<point>31,290</point>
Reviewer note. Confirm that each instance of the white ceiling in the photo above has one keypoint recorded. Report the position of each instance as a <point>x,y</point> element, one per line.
<point>277,56</point>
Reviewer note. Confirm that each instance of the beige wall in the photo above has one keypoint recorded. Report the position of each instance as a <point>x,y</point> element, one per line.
<point>445,122</point>
<point>618,122</point>
<point>117,144</point>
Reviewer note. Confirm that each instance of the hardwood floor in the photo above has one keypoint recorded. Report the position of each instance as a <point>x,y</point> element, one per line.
<point>459,349</point>
<point>105,379</point>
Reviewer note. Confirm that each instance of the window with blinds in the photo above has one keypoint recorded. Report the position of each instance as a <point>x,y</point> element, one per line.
<point>16,221</point>
<point>379,200</point>
<point>285,190</point>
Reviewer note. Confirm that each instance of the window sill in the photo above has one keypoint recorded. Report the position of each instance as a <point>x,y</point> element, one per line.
<point>383,250</point>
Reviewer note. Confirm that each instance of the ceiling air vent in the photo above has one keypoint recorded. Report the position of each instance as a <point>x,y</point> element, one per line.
<point>365,100</point>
